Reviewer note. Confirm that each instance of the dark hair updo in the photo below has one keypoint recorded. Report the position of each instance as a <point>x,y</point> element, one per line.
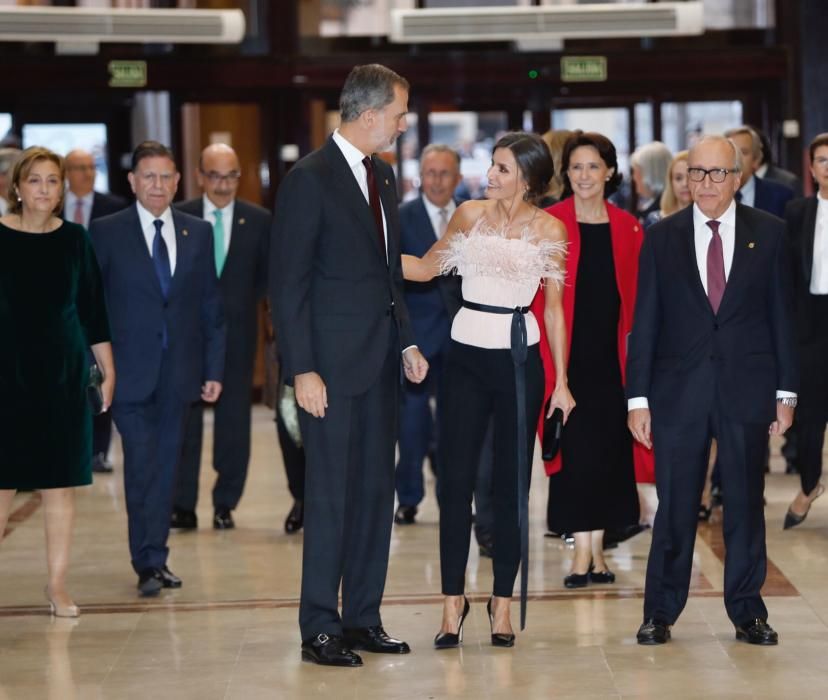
<point>605,149</point>
<point>533,160</point>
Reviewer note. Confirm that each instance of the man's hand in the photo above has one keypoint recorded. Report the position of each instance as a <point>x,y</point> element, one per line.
<point>640,425</point>
<point>415,365</point>
<point>784,418</point>
<point>311,393</point>
<point>210,391</point>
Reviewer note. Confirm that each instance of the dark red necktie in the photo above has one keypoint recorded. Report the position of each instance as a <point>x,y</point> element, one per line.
<point>374,200</point>
<point>715,268</point>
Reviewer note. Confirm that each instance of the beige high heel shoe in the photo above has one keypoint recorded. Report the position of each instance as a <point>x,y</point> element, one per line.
<point>59,610</point>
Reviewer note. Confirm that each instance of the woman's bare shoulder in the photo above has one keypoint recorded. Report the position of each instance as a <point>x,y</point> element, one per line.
<point>470,211</point>
<point>549,227</point>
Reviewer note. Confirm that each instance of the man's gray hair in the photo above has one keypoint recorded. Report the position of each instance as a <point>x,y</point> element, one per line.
<point>8,157</point>
<point>755,141</point>
<point>439,148</point>
<point>654,161</point>
<point>737,154</point>
<point>368,87</point>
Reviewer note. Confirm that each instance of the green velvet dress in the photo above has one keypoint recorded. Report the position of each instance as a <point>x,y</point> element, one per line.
<point>51,310</point>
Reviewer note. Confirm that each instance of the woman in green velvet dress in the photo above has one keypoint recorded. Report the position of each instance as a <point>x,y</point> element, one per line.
<point>52,311</point>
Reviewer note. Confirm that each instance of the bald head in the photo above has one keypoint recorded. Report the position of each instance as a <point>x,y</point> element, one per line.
<point>80,172</point>
<point>218,174</point>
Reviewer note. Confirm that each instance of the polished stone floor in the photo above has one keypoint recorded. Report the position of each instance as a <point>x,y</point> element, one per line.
<point>231,631</point>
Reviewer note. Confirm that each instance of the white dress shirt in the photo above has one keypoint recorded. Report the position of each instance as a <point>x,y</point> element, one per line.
<point>70,204</point>
<point>167,231</point>
<point>702,234</point>
<point>748,192</point>
<point>354,158</point>
<point>819,270</point>
<point>226,218</point>
<point>433,212</point>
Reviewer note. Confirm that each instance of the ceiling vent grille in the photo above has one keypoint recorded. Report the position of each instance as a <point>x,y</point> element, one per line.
<point>558,22</point>
<point>147,26</point>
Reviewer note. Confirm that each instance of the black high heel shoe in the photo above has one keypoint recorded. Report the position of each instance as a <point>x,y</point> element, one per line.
<point>449,640</point>
<point>499,639</point>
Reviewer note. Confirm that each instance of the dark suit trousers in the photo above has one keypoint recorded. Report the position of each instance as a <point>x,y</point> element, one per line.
<point>151,433</point>
<point>349,504</point>
<point>101,433</point>
<point>231,444</point>
<point>681,453</point>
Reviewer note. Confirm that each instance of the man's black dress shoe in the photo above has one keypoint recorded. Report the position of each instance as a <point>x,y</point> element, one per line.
<point>405,515</point>
<point>757,631</point>
<point>296,518</point>
<point>183,519</point>
<point>168,578</point>
<point>223,519</point>
<point>101,465</point>
<point>576,580</point>
<point>653,632</point>
<point>150,582</point>
<point>374,639</point>
<point>329,650</point>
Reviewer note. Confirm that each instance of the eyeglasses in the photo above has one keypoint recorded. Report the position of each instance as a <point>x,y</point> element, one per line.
<point>717,175</point>
<point>215,177</point>
<point>150,178</point>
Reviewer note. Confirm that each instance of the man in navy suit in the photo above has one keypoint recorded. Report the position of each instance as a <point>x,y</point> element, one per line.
<point>431,306</point>
<point>168,338</point>
<point>757,192</point>
<point>83,205</point>
<point>241,235</point>
<point>712,354</point>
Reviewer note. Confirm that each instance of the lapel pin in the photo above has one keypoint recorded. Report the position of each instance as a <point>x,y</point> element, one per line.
<point>635,228</point>
<point>751,245</point>
<point>241,221</point>
<point>185,232</point>
<point>386,182</point>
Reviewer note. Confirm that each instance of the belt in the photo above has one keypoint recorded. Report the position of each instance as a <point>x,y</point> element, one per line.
<point>519,349</point>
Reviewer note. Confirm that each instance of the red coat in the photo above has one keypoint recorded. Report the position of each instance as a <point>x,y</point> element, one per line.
<point>627,236</point>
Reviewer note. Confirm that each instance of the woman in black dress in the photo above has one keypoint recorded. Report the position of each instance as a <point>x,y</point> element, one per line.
<point>52,311</point>
<point>592,486</point>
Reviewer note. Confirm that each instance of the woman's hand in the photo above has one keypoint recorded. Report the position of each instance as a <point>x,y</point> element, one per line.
<point>561,398</point>
<point>107,391</point>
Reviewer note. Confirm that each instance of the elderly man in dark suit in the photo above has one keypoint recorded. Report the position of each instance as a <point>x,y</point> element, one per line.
<point>241,234</point>
<point>711,355</point>
<point>343,329</point>
<point>82,204</point>
<point>754,191</point>
<point>168,339</point>
<point>807,228</point>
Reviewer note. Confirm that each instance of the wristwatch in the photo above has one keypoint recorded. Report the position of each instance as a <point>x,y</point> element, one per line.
<point>787,401</point>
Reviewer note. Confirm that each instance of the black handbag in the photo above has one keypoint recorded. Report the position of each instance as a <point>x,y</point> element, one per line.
<point>93,390</point>
<point>552,429</point>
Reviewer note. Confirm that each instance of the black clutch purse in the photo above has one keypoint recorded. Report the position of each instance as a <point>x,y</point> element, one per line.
<point>552,429</point>
<point>93,390</point>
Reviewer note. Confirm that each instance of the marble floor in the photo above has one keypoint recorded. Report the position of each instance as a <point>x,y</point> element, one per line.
<point>231,631</point>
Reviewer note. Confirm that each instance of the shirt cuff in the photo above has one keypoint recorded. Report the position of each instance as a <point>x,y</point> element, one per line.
<point>637,402</point>
<point>785,394</point>
<point>408,348</point>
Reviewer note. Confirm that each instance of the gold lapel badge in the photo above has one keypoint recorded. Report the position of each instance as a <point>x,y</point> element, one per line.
<point>387,183</point>
<point>185,232</point>
<point>751,245</point>
<point>241,221</point>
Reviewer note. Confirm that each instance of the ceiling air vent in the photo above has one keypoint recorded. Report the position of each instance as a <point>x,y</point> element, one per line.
<point>557,22</point>
<point>145,26</point>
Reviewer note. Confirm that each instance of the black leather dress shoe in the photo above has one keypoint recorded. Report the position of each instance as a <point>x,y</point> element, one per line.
<point>150,582</point>
<point>405,515</point>
<point>183,519</point>
<point>653,632</point>
<point>168,578</point>
<point>296,518</point>
<point>757,631</point>
<point>375,640</point>
<point>223,519</point>
<point>329,650</point>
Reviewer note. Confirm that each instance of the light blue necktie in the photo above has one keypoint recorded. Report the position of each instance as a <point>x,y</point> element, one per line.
<point>218,242</point>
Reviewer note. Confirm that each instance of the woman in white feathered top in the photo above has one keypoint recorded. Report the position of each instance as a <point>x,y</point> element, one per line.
<point>504,247</point>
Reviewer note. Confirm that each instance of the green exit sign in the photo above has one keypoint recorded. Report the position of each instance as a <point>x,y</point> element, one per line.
<point>127,73</point>
<point>583,69</point>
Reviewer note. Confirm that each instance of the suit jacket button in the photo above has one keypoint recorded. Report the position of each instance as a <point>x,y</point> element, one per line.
<point>715,326</point>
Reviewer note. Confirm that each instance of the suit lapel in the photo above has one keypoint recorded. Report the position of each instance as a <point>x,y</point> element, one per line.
<point>743,257</point>
<point>388,197</point>
<point>686,239</point>
<point>345,188</point>
<point>808,236</point>
<point>141,252</point>
<point>424,228</point>
<point>183,252</point>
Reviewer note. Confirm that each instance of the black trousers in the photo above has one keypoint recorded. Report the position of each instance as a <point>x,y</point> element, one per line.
<point>681,453</point>
<point>151,434</point>
<point>810,437</point>
<point>349,504</point>
<point>480,384</point>
<point>101,433</point>
<point>231,446</point>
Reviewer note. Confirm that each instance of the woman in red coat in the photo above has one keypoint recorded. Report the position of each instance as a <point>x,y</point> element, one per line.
<point>594,475</point>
